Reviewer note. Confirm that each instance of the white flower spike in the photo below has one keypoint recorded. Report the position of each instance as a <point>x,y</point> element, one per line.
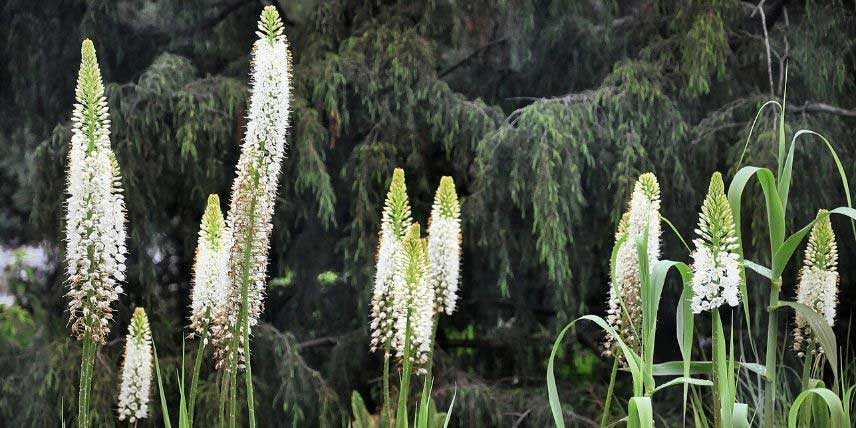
<point>412,298</point>
<point>257,178</point>
<point>716,263</point>
<point>136,369</point>
<point>211,268</point>
<point>395,222</point>
<point>818,284</point>
<point>643,215</point>
<point>444,245</point>
<point>95,220</point>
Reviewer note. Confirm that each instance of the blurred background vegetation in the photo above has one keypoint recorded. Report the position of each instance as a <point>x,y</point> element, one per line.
<point>543,111</point>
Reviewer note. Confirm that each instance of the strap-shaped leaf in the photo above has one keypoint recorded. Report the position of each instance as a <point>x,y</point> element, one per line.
<point>783,255</point>
<point>785,179</point>
<point>449,412</point>
<point>633,363</point>
<point>683,381</point>
<point>675,368</point>
<point>837,416</point>
<point>640,413</point>
<point>740,417</point>
<point>821,330</point>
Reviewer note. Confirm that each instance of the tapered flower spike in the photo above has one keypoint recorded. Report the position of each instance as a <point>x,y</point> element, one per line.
<point>643,214</point>
<point>95,220</point>
<point>211,268</point>
<point>395,222</point>
<point>716,263</point>
<point>412,298</point>
<point>136,369</point>
<point>444,245</point>
<point>818,284</point>
<point>257,178</point>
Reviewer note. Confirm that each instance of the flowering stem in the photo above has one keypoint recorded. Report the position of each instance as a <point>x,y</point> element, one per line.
<point>609,392</point>
<point>222,408</point>
<point>86,362</point>
<point>387,406</point>
<point>233,381</point>
<point>426,384</point>
<point>721,394</point>
<point>194,383</point>
<point>772,345</point>
<point>245,280</point>
<point>401,411</point>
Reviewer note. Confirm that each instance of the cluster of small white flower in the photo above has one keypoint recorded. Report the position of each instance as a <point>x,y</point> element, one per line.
<point>818,283</point>
<point>257,178</point>
<point>95,221</point>
<point>412,297</point>
<point>444,246</point>
<point>624,311</point>
<point>211,270</point>
<point>136,369</point>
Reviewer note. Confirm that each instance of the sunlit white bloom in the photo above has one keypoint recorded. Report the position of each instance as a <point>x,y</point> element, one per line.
<point>818,283</point>
<point>444,246</point>
<point>412,296</point>
<point>395,222</point>
<point>257,178</point>
<point>136,369</point>
<point>716,279</point>
<point>211,268</point>
<point>95,220</point>
<point>716,264</point>
<point>642,216</point>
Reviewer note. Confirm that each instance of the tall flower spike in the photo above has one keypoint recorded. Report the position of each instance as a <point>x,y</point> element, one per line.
<point>444,245</point>
<point>136,369</point>
<point>818,284</point>
<point>412,298</point>
<point>211,268</point>
<point>643,214</point>
<point>395,222</point>
<point>257,178</point>
<point>716,263</point>
<point>95,220</point>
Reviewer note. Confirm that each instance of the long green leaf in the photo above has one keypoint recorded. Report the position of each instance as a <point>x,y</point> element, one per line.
<point>633,362</point>
<point>164,408</point>
<point>821,330</point>
<point>449,412</point>
<point>783,255</point>
<point>833,403</point>
<point>640,413</point>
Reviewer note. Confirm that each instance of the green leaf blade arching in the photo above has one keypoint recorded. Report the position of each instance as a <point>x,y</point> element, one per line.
<point>833,403</point>
<point>822,331</point>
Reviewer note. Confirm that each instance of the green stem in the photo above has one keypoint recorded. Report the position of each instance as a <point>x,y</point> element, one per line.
<point>194,383</point>
<point>404,392</point>
<point>233,382</point>
<point>245,323</point>
<point>771,360</point>
<point>85,382</point>
<point>387,405</point>
<point>609,392</point>
<point>722,400</point>
<point>221,418</point>
<point>426,384</point>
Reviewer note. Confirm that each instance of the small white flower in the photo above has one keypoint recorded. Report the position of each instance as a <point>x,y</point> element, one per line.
<point>818,283</point>
<point>95,221</point>
<point>444,245</point>
<point>643,215</point>
<point>211,270</point>
<point>136,369</point>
